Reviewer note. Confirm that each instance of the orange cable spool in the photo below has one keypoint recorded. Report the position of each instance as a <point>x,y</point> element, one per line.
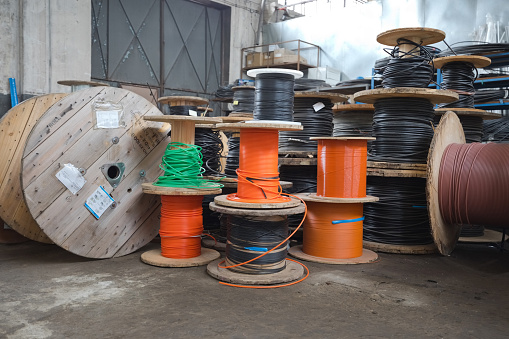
<point>341,170</point>
<point>324,239</point>
<point>258,176</point>
<point>181,226</point>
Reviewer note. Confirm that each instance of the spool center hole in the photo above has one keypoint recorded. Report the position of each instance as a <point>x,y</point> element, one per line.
<point>113,172</point>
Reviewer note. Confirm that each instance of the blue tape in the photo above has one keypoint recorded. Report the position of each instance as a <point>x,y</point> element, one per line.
<point>259,249</point>
<point>419,206</point>
<point>347,220</point>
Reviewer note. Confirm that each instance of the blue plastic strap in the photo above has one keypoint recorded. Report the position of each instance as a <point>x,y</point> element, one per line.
<point>259,249</point>
<point>14,93</point>
<point>346,221</point>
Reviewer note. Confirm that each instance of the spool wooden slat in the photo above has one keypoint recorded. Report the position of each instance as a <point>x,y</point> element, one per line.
<point>15,126</point>
<point>66,135</point>
<point>435,96</point>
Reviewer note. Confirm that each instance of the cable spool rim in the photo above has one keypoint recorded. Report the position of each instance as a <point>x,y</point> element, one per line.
<point>254,72</point>
<point>342,138</point>
<point>435,96</point>
<point>469,112</point>
<point>476,60</point>
<point>333,97</point>
<point>260,125</point>
<point>427,35</point>
<point>449,130</point>
<point>315,198</point>
<point>361,108</point>
<point>183,101</point>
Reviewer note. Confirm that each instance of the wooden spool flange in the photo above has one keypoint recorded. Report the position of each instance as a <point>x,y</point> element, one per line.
<point>15,127</point>
<point>237,88</point>
<point>315,198</point>
<point>333,97</point>
<point>183,126</point>
<point>366,257</point>
<point>221,200</point>
<point>476,60</point>
<point>155,258</point>
<point>472,112</point>
<point>361,108</point>
<point>214,206</point>
<point>65,134</point>
<point>449,131</point>
<point>400,249</point>
<point>230,119</point>
<point>435,96</point>
<point>261,125</point>
<point>298,161</point>
<point>241,114</point>
<point>205,109</point>
<point>420,35</point>
<point>77,85</point>
<point>292,272</point>
<point>232,182</point>
<point>183,101</point>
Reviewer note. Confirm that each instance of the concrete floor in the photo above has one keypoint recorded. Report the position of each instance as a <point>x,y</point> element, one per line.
<point>47,292</point>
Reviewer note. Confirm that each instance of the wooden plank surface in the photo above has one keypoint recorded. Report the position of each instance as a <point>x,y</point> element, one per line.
<point>15,128</point>
<point>72,139</point>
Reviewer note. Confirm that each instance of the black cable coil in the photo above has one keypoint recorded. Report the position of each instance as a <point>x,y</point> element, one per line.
<point>304,84</point>
<point>303,178</point>
<point>212,148</point>
<point>475,48</point>
<point>408,70</point>
<point>249,237</point>
<point>472,126</point>
<point>472,231</point>
<point>182,110</point>
<point>459,76</point>
<point>400,217</point>
<point>224,92</point>
<point>232,158</point>
<point>243,99</point>
<point>315,124</point>
<point>490,95</point>
<point>496,130</point>
<point>353,124</point>
<point>403,128</point>
<point>274,97</point>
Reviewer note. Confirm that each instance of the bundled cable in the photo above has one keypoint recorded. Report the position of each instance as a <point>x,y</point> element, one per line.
<point>496,130</point>
<point>182,110</point>
<point>274,97</point>
<point>243,99</point>
<point>459,76</point>
<point>403,130</point>
<point>486,95</point>
<point>304,84</point>
<point>474,48</point>
<point>401,215</point>
<point>353,124</point>
<point>232,158</point>
<point>224,92</point>
<point>315,123</point>
<point>408,70</point>
<point>182,166</point>
<point>211,148</point>
<point>248,237</point>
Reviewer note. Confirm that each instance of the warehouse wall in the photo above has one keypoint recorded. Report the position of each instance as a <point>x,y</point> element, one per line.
<point>347,35</point>
<point>43,42</point>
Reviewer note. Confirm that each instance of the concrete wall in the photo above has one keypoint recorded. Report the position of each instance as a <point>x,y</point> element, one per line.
<point>43,41</point>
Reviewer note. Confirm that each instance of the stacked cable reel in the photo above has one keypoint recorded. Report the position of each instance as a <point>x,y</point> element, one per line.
<point>181,188</point>
<point>466,184</point>
<point>82,169</point>
<point>16,126</point>
<point>334,223</point>
<point>257,213</point>
<point>459,73</point>
<point>402,125</point>
<point>297,151</point>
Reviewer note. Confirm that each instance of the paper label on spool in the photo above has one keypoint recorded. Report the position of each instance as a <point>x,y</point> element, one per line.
<point>318,106</point>
<point>193,113</point>
<point>71,177</point>
<point>108,115</point>
<point>99,202</point>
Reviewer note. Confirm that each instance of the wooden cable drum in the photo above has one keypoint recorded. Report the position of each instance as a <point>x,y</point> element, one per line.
<point>15,126</point>
<point>117,159</point>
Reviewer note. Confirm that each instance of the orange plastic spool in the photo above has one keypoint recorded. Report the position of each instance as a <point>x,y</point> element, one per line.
<point>181,226</point>
<point>258,176</point>
<point>324,239</point>
<point>341,171</point>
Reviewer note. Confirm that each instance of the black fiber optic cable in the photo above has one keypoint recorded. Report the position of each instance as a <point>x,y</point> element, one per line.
<point>212,147</point>
<point>243,100</point>
<point>315,124</point>
<point>274,97</point>
<point>182,110</point>
<point>490,95</point>
<point>400,217</point>
<point>224,92</point>
<point>232,159</point>
<point>403,130</point>
<point>249,237</point>
<point>496,130</point>
<point>474,48</point>
<point>459,76</point>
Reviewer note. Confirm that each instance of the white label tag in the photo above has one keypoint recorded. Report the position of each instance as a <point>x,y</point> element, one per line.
<point>107,119</point>
<point>318,106</point>
<point>193,113</point>
<point>71,177</point>
<point>98,202</point>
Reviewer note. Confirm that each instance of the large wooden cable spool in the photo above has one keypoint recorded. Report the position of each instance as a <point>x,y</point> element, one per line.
<point>118,159</point>
<point>15,127</point>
